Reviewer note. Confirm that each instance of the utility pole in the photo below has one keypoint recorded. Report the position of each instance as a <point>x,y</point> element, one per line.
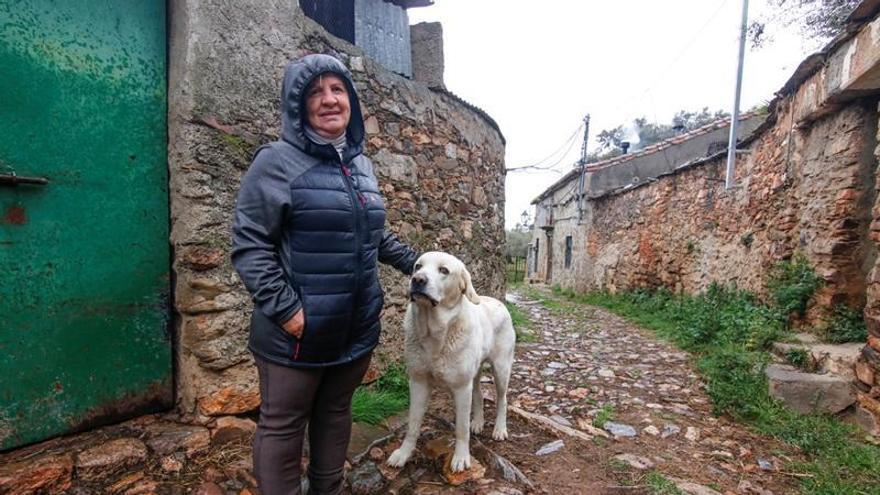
<point>734,119</point>
<point>583,168</point>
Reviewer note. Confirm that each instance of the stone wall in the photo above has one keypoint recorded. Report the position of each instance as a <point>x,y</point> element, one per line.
<point>798,190</point>
<point>439,161</point>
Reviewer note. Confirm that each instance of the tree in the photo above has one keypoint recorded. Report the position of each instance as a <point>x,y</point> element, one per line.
<point>649,133</point>
<point>818,20</point>
<point>691,120</point>
<point>517,243</point>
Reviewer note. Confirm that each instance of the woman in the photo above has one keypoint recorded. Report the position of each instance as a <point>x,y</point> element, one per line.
<point>308,231</point>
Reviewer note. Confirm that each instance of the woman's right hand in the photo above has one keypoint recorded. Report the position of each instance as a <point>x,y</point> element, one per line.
<point>294,326</point>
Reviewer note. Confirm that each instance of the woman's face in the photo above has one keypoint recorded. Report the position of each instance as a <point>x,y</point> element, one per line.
<point>327,107</point>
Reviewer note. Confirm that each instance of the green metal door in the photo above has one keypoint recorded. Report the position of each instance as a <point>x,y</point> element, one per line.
<point>84,259</point>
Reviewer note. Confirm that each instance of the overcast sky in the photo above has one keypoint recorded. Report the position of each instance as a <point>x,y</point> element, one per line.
<point>538,67</point>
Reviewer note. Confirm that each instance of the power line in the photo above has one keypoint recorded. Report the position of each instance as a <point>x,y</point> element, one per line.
<point>641,96</point>
<point>539,165</point>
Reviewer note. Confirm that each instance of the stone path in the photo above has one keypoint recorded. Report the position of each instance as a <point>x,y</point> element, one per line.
<point>599,406</point>
<point>590,367</point>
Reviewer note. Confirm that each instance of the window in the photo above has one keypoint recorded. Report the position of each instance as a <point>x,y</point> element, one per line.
<point>568,251</point>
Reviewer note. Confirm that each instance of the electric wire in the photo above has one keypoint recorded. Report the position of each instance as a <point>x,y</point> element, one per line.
<point>568,144</point>
<point>668,66</point>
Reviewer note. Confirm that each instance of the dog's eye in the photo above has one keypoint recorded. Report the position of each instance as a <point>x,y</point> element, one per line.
<point>418,266</point>
<point>444,270</point>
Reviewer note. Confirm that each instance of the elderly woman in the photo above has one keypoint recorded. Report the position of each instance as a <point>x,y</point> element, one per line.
<point>308,232</point>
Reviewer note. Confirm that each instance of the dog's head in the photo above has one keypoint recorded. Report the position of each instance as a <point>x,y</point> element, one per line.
<point>441,279</point>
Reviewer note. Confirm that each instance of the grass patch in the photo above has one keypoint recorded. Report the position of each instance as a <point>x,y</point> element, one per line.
<point>605,414</point>
<point>618,466</point>
<point>661,485</point>
<point>548,301</point>
<point>521,324</point>
<point>799,357</point>
<point>729,332</point>
<point>385,397</point>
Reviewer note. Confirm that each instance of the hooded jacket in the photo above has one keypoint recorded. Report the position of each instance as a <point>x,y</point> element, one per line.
<point>308,232</point>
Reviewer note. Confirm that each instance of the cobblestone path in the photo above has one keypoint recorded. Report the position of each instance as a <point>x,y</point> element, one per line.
<point>589,367</point>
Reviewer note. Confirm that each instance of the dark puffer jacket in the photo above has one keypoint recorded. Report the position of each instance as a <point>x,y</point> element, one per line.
<point>308,231</point>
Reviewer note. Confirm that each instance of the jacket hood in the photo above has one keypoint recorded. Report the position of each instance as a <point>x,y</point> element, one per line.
<point>297,76</point>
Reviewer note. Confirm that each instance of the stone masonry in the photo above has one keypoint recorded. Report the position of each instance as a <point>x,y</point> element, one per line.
<point>439,161</point>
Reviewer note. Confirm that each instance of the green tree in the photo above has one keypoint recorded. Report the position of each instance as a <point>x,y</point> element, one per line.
<point>517,243</point>
<point>649,133</point>
<point>610,139</point>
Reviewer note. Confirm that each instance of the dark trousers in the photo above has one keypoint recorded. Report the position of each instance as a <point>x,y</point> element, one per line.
<point>290,399</point>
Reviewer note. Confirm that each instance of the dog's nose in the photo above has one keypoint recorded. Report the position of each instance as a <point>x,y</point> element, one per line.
<point>419,280</point>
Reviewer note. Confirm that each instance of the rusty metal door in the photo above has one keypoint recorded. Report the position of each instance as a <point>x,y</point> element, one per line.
<point>84,254</point>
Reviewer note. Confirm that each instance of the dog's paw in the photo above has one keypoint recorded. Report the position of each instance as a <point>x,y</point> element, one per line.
<point>477,426</point>
<point>460,462</point>
<point>499,433</point>
<point>398,458</point>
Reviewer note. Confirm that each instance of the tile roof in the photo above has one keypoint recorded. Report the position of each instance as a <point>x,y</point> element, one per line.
<point>648,150</point>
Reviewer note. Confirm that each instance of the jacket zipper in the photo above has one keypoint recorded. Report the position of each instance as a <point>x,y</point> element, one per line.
<point>356,197</point>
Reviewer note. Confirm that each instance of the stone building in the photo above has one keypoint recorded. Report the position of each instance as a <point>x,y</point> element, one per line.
<point>806,182</point>
<point>557,253</point>
<point>146,311</point>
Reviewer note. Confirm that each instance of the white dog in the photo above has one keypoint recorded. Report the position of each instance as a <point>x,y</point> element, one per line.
<point>450,332</point>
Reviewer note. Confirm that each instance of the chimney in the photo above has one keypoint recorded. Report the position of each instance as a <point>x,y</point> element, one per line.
<point>427,53</point>
<point>624,145</point>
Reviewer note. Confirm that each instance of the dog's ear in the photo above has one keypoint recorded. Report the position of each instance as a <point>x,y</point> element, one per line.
<point>467,288</point>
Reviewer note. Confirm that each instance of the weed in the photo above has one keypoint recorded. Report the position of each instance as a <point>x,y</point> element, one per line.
<point>844,325</point>
<point>747,239</point>
<point>605,414</point>
<point>618,465</point>
<point>521,324</point>
<point>386,396</point>
<point>599,441</point>
<point>800,357</point>
<point>791,284</point>
<point>660,485</point>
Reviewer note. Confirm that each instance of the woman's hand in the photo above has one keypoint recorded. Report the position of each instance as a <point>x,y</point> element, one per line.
<point>294,326</point>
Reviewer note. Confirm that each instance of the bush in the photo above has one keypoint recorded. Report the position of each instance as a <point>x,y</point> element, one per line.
<point>791,285</point>
<point>844,325</point>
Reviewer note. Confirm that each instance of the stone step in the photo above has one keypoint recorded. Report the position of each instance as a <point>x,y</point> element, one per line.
<point>809,392</point>
<point>838,359</point>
